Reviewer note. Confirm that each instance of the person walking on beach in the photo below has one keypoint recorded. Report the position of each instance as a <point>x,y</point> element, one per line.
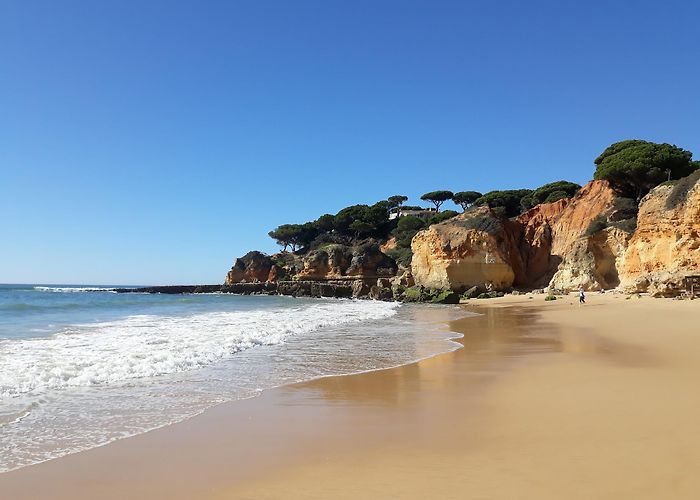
<point>581,296</point>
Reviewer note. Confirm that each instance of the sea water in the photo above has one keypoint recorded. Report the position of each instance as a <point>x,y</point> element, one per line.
<point>83,366</point>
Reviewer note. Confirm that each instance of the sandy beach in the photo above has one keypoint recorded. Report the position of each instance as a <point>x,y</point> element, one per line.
<point>545,400</point>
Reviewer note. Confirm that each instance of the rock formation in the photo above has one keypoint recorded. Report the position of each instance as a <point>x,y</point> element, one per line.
<point>341,261</point>
<point>585,241</point>
<point>587,260</point>
<point>469,249</point>
<point>592,261</point>
<point>549,244</point>
<point>252,267</point>
<point>331,262</point>
<point>666,245</point>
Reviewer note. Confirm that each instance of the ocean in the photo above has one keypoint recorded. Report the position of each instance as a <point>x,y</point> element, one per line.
<point>83,366</point>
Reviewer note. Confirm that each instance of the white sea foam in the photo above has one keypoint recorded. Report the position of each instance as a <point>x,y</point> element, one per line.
<point>150,346</point>
<point>69,289</point>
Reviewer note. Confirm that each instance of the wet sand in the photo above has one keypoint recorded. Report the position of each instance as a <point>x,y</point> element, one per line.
<point>545,400</point>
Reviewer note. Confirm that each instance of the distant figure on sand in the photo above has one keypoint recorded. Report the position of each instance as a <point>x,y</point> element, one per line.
<point>581,296</point>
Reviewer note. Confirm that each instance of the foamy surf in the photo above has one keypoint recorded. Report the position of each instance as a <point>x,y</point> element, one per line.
<point>150,346</point>
<point>71,289</point>
<point>80,370</point>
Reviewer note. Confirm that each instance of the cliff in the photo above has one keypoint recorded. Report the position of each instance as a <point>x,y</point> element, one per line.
<point>470,249</point>
<point>252,267</point>
<point>588,258</point>
<point>584,241</point>
<point>342,261</point>
<point>330,262</point>
<point>549,245</point>
<point>666,245</point>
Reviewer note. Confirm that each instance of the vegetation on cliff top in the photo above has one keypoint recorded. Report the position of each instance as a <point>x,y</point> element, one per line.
<point>466,199</point>
<point>634,167</point>
<point>682,187</point>
<point>437,198</point>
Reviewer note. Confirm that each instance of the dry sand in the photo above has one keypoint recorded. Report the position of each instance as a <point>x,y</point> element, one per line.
<point>546,400</point>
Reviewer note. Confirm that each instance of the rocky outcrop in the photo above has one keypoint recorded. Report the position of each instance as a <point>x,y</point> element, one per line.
<point>666,245</point>
<point>585,241</point>
<point>336,289</point>
<point>368,261</point>
<point>548,245</point>
<point>252,267</point>
<point>592,261</point>
<point>469,249</point>
<point>329,262</point>
<point>563,253</point>
<point>535,242</point>
<point>344,262</point>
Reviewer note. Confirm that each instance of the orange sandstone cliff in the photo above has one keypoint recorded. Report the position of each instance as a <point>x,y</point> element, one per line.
<point>585,241</point>
<point>666,245</point>
<point>547,246</point>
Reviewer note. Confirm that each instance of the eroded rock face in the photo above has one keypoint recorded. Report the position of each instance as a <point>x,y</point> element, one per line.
<point>327,263</point>
<point>666,245</point>
<point>252,267</point>
<point>592,261</point>
<point>546,245</point>
<point>369,261</point>
<point>575,259</point>
<point>470,249</point>
<point>536,241</point>
<point>578,259</point>
<point>340,261</point>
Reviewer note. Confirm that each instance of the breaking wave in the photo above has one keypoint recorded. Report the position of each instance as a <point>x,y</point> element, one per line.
<point>150,345</point>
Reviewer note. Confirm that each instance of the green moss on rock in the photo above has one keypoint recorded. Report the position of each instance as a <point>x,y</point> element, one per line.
<point>446,297</point>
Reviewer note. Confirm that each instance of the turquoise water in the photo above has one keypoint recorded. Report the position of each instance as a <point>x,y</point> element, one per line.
<point>82,367</point>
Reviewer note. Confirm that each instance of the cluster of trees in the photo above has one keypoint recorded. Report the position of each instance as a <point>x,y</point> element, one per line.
<point>465,199</point>
<point>354,222</point>
<point>358,222</point>
<point>513,202</point>
<point>633,167</point>
<point>510,202</point>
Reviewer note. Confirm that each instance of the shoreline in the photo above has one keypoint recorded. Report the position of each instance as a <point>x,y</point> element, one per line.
<point>366,358</point>
<point>348,427</point>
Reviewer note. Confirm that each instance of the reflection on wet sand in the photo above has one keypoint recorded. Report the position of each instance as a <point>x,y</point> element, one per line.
<point>488,336</point>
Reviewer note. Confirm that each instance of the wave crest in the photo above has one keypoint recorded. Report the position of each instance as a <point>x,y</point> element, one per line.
<point>71,289</point>
<point>150,346</point>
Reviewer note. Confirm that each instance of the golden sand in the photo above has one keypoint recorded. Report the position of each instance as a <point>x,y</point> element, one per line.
<point>546,400</point>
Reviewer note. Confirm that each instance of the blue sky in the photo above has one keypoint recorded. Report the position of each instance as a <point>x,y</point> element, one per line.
<point>144,144</point>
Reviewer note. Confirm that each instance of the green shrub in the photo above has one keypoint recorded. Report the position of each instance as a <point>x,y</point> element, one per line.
<point>441,217</point>
<point>554,191</point>
<point>506,203</point>
<point>629,225</point>
<point>488,295</point>
<point>402,255</point>
<point>550,298</point>
<point>446,297</point>
<point>596,225</point>
<point>412,294</point>
<point>483,223</point>
<point>625,208</point>
<point>680,190</point>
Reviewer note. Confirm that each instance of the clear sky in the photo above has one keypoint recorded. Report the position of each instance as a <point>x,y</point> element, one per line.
<point>153,142</point>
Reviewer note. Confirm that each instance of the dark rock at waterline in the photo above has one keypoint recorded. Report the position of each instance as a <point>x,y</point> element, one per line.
<point>359,288</point>
<point>335,289</point>
<point>446,297</point>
